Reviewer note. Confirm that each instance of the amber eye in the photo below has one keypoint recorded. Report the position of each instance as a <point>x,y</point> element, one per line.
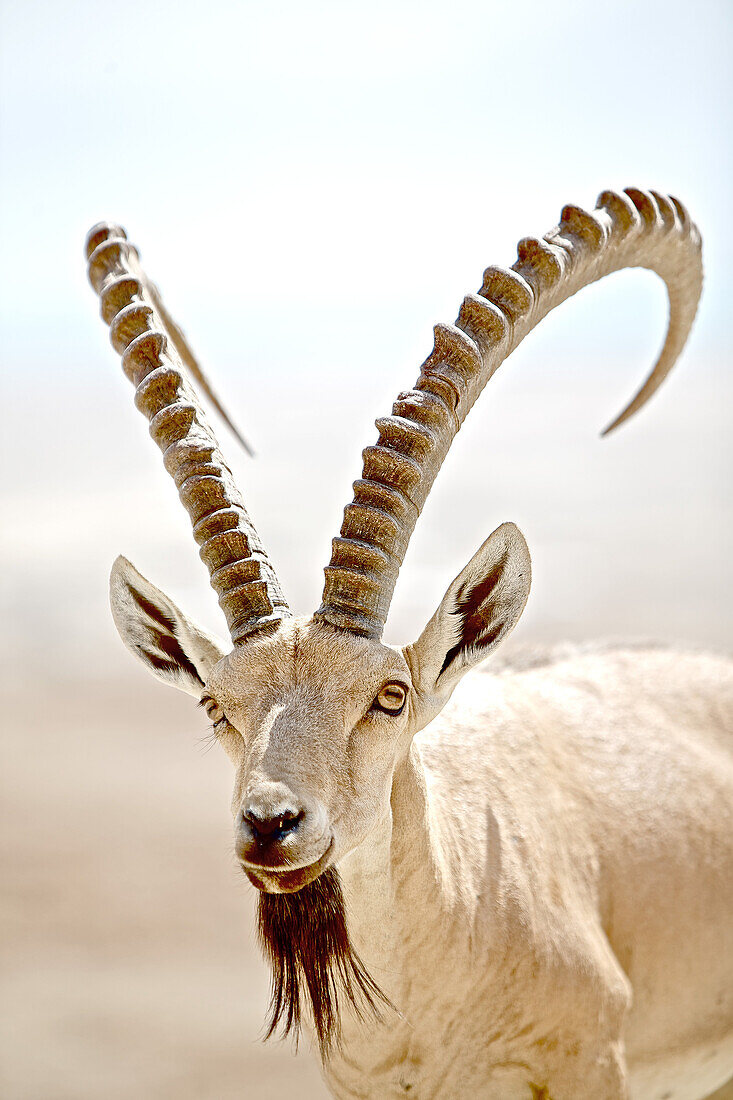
<point>213,711</point>
<point>391,699</point>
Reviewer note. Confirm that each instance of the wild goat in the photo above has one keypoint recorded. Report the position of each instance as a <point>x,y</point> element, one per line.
<point>539,889</point>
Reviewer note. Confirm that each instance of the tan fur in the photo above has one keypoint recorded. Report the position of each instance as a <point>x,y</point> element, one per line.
<point>541,881</point>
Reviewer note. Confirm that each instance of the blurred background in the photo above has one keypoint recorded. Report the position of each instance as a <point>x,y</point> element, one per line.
<point>312,186</point>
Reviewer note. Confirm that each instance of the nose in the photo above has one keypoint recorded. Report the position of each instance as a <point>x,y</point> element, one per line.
<point>273,825</point>
<point>272,828</point>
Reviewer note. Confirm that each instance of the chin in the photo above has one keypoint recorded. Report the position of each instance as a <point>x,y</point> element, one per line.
<point>272,881</point>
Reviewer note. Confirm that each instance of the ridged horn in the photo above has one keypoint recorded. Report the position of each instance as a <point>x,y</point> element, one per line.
<point>154,352</point>
<point>633,229</point>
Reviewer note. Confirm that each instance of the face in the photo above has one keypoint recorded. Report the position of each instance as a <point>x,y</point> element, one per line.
<point>315,721</point>
<point>315,718</point>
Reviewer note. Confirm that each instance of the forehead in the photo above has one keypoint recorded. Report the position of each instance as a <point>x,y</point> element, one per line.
<point>307,656</point>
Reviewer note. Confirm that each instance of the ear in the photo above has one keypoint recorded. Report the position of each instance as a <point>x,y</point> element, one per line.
<point>481,607</point>
<point>172,647</point>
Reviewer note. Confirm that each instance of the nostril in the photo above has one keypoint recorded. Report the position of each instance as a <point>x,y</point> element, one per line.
<point>276,827</point>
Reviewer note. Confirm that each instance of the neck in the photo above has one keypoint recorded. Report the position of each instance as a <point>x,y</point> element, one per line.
<point>389,877</point>
<point>394,917</point>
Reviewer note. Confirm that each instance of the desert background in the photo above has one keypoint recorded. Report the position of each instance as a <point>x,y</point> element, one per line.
<point>312,186</point>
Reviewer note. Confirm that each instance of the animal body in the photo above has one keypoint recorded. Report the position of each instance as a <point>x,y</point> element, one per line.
<point>520,892</point>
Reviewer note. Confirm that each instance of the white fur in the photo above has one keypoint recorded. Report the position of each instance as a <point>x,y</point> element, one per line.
<point>541,880</point>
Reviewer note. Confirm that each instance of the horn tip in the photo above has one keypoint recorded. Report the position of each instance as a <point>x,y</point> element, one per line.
<point>619,420</point>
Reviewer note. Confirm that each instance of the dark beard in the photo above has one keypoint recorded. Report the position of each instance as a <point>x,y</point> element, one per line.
<point>304,938</point>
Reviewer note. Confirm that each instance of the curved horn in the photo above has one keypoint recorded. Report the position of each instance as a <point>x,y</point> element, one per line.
<point>634,229</point>
<point>153,350</point>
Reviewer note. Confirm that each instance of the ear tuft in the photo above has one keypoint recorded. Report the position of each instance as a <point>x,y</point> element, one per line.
<point>164,653</point>
<point>481,607</point>
<point>172,647</point>
<point>489,596</point>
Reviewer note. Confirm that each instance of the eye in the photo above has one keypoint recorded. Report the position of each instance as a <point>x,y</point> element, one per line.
<point>213,711</point>
<point>391,699</point>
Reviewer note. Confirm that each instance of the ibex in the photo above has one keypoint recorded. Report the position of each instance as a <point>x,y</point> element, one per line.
<point>528,892</point>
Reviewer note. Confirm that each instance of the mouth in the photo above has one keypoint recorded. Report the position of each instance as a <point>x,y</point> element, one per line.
<point>288,881</point>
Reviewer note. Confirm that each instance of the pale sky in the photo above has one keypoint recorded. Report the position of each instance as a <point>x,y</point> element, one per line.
<point>313,186</point>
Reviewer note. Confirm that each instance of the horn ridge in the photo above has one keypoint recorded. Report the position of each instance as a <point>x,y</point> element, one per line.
<point>239,570</point>
<point>633,228</point>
